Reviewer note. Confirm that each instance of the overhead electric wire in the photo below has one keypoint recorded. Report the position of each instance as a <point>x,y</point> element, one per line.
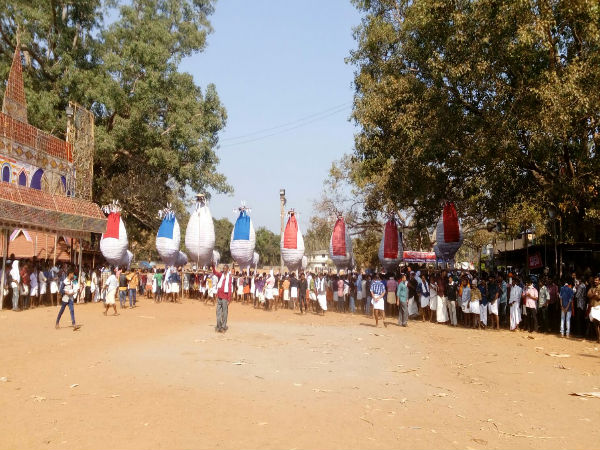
<point>284,128</point>
<point>293,122</point>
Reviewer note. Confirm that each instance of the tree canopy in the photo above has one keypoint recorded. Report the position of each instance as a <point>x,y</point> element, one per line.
<point>267,246</point>
<point>156,130</point>
<point>487,103</point>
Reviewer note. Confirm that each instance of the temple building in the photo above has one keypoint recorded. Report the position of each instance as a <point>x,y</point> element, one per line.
<point>41,214</point>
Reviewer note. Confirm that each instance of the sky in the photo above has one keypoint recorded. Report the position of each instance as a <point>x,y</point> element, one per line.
<point>279,70</point>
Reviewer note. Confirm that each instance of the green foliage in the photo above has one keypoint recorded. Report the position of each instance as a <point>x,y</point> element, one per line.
<point>526,216</point>
<point>318,235</point>
<point>223,229</point>
<point>267,246</point>
<point>156,130</point>
<point>482,102</point>
<point>365,248</point>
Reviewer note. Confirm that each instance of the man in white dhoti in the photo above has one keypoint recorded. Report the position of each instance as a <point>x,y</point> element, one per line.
<point>377,300</point>
<point>33,287</point>
<point>594,298</point>
<point>269,288</point>
<point>514,303</point>
<point>321,288</point>
<point>15,280</point>
<point>442,305</point>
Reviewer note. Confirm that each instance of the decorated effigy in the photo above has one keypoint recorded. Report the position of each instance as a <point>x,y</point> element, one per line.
<point>255,260</point>
<point>438,254</point>
<point>216,257</point>
<point>125,263</point>
<point>292,243</point>
<point>243,239</point>
<point>390,248</point>
<point>200,233</point>
<point>340,245</point>
<point>181,259</point>
<point>113,243</point>
<point>168,237</point>
<point>448,233</point>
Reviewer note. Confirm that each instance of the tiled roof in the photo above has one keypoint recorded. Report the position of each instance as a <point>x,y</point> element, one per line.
<point>23,207</point>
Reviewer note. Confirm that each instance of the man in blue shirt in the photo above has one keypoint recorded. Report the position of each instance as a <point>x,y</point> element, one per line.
<point>566,308</point>
<point>377,295</point>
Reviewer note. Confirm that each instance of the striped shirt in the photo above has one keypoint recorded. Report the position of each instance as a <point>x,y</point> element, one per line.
<point>377,287</point>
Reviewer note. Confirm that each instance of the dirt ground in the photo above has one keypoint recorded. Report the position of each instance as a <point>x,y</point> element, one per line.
<point>158,376</point>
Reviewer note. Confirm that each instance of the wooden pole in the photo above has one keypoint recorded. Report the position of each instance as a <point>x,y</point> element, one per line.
<point>4,256</point>
<point>55,244</point>
<point>80,258</point>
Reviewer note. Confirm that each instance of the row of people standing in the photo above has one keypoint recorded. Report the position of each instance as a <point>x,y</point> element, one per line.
<point>32,283</point>
<point>492,301</point>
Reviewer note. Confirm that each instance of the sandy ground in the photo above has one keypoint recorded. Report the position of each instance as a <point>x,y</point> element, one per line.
<point>158,376</point>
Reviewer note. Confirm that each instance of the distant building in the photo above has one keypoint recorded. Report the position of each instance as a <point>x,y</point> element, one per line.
<point>319,261</point>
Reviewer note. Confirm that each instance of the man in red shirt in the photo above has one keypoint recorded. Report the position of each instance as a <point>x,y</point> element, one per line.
<point>224,291</point>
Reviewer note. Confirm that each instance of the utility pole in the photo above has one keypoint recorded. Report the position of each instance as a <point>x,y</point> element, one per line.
<point>282,202</point>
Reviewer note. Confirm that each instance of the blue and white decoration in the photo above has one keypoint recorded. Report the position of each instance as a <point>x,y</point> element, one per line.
<point>243,238</point>
<point>168,237</point>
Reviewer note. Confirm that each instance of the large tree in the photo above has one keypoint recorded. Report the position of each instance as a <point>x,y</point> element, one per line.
<point>489,103</point>
<point>267,246</point>
<point>223,228</point>
<point>156,130</point>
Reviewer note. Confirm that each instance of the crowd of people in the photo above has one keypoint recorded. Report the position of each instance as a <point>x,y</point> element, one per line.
<point>455,298</point>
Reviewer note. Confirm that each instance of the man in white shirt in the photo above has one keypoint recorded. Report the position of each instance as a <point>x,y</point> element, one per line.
<point>514,303</point>
<point>33,287</point>
<point>66,291</point>
<point>111,285</point>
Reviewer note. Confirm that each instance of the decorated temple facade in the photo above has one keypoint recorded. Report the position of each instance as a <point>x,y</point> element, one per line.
<point>28,156</point>
<point>40,214</point>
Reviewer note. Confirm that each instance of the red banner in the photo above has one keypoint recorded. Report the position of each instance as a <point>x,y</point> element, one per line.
<point>419,257</point>
<point>535,261</point>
